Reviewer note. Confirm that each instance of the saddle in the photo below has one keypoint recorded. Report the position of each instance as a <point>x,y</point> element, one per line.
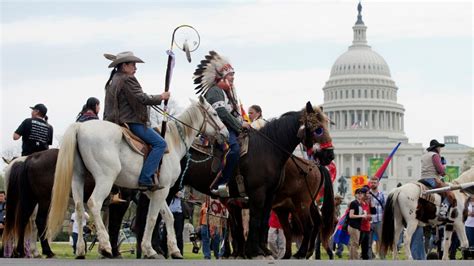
<point>137,144</point>
<point>429,205</point>
<point>206,147</point>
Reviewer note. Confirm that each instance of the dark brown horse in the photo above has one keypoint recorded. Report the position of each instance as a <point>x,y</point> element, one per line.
<point>29,183</point>
<point>262,167</point>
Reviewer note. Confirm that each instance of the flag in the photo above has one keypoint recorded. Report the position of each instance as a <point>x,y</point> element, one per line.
<point>355,125</point>
<point>244,114</point>
<point>341,236</point>
<point>382,168</point>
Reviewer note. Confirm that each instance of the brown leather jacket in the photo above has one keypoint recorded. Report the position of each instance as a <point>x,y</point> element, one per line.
<point>125,101</point>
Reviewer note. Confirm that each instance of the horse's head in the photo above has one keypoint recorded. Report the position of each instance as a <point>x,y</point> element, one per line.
<point>314,130</point>
<point>212,125</point>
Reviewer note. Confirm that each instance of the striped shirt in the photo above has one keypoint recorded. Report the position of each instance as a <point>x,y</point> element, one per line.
<point>377,217</point>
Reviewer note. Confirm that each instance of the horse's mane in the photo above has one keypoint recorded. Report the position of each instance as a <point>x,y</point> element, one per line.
<point>466,177</point>
<point>277,130</point>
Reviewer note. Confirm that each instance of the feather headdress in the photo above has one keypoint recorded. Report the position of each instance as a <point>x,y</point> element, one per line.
<point>210,70</point>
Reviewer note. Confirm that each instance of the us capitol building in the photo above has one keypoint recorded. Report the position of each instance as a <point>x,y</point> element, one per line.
<point>360,97</point>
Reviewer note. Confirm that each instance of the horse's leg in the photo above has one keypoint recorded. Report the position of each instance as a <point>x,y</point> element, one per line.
<point>448,232</point>
<point>307,233</point>
<point>41,223</point>
<point>27,209</point>
<point>77,189</point>
<point>256,207</point>
<point>263,242</point>
<point>236,230</point>
<point>101,191</point>
<point>32,234</point>
<point>397,231</point>
<point>461,232</point>
<point>285,225</point>
<point>168,218</point>
<point>315,229</point>
<point>411,227</point>
<point>116,213</point>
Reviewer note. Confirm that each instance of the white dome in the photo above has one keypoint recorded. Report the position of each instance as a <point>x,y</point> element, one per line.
<point>360,60</point>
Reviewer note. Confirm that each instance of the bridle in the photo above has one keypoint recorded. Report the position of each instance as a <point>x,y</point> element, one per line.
<point>212,121</point>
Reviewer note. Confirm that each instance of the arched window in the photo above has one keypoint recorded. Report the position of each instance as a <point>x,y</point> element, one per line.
<point>347,94</point>
<point>358,93</point>
<point>365,93</point>
<point>353,96</point>
<point>371,93</point>
<point>378,95</point>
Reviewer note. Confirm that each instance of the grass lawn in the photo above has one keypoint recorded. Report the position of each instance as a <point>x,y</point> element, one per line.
<point>63,250</point>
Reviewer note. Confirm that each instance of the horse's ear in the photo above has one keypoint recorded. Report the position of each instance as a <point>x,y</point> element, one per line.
<point>321,107</point>
<point>309,107</point>
<point>5,160</point>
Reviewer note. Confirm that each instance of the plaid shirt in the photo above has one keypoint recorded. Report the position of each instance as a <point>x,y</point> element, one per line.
<point>378,207</point>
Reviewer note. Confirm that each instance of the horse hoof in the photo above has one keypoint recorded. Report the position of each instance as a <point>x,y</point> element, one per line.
<point>105,254</point>
<point>81,257</point>
<point>269,257</point>
<point>155,256</point>
<point>259,257</point>
<point>176,255</point>
<point>51,256</point>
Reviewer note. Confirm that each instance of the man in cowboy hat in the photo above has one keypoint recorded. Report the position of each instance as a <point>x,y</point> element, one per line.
<point>35,132</point>
<point>126,103</point>
<point>215,79</point>
<point>432,169</point>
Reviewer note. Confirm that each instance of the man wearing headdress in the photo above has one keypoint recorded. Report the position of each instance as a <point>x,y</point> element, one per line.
<point>215,80</point>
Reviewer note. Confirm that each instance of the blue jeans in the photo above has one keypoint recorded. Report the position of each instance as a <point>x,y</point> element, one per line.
<point>210,243</point>
<point>232,158</point>
<point>470,235</point>
<point>417,245</point>
<point>158,147</point>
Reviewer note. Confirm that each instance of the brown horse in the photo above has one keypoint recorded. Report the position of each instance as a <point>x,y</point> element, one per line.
<point>296,197</point>
<point>29,183</point>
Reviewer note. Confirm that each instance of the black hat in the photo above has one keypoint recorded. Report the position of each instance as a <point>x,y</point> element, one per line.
<point>40,108</point>
<point>434,144</point>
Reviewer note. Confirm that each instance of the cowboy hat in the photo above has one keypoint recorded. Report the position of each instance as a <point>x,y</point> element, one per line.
<point>123,57</point>
<point>434,144</point>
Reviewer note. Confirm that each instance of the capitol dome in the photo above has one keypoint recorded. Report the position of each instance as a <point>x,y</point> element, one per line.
<point>360,60</point>
<point>360,96</point>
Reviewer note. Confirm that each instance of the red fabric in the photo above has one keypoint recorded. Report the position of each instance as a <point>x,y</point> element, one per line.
<point>365,224</point>
<point>274,222</point>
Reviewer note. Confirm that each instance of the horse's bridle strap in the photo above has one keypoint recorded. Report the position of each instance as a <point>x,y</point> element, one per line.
<point>326,145</point>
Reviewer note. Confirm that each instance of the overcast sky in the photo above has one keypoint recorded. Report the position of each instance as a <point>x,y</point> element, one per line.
<point>282,51</point>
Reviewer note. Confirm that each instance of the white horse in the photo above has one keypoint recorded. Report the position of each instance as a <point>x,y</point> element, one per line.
<point>401,206</point>
<point>98,147</point>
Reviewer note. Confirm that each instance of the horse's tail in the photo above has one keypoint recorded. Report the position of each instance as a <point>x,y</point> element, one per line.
<point>328,207</point>
<point>13,204</point>
<point>62,181</point>
<point>388,222</point>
